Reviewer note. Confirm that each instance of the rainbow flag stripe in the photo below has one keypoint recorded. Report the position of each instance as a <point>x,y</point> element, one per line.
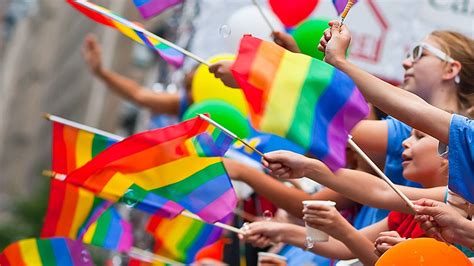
<point>76,213</point>
<point>164,162</point>
<point>340,5</point>
<point>47,252</point>
<point>151,8</point>
<point>300,98</point>
<point>182,237</point>
<point>129,29</point>
<point>73,147</point>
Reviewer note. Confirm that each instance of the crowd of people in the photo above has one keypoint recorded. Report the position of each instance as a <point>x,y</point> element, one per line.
<point>425,144</point>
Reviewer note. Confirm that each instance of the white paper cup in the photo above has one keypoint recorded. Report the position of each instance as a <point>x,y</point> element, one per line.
<point>262,255</point>
<point>313,233</point>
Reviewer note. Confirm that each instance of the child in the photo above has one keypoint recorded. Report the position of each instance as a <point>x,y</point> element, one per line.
<point>422,164</point>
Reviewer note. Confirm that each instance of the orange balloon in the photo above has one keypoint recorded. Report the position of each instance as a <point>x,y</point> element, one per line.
<point>423,251</point>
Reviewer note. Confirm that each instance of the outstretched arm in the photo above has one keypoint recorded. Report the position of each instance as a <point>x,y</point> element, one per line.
<point>287,198</point>
<point>403,105</point>
<point>356,185</point>
<point>125,87</point>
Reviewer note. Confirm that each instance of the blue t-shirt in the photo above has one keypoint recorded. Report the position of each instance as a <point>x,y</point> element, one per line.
<point>397,133</point>
<point>461,157</point>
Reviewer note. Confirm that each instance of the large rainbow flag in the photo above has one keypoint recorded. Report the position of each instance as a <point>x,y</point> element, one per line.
<point>299,97</point>
<point>129,29</point>
<point>47,252</point>
<point>77,214</point>
<point>182,237</point>
<point>182,163</point>
<point>74,147</point>
<point>151,8</point>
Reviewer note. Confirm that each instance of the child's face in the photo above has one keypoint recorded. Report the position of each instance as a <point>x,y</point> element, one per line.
<point>424,75</point>
<point>421,162</point>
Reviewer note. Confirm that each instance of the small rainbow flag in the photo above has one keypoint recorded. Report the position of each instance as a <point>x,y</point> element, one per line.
<point>151,8</point>
<point>129,29</point>
<point>300,98</point>
<point>340,5</point>
<point>74,147</point>
<point>47,252</point>
<point>181,163</point>
<point>77,214</point>
<point>182,237</point>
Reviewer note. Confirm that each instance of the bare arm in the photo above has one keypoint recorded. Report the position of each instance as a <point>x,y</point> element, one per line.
<point>403,105</point>
<point>356,185</point>
<point>163,103</point>
<point>125,87</point>
<point>354,243</point>
<point>287,198</point>
<point>371,136</point>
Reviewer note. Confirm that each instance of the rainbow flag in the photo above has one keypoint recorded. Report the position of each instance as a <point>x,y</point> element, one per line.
<point>340,5</point>
<point>300,98</point>
<point>77,214</point>
<point>47,252</point>
<point>73,147</point>
<point>182,237</point>
<point>181,163</point>
<point>129,29</point>
<point>151,8</point>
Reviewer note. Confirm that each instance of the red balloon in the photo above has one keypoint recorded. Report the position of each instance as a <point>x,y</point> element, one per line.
<point>292,12</point>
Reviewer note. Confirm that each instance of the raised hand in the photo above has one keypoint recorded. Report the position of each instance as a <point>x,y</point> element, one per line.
<point>286,164</point>
<point>92,53</point>
<point>286,41</point>
<point>221,70</point>
<point>334,43</point>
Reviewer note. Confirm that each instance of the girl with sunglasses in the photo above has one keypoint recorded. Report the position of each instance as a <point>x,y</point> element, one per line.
<point>455,67</point>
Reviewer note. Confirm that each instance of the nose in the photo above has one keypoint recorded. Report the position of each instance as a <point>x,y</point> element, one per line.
<point>407,63</point>
<point>406,143</point>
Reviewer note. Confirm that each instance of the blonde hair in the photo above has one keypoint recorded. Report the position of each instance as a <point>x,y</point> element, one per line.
<point>460,48</point>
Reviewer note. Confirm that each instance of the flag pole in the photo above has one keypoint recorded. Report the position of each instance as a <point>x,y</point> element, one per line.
<point>136,27</point>
<point>229,133</point>
<point>263,15</point>
<point>64,121</point>
<point>381,174</point>
<point>62,177</point>
<point>348,7</point>
<point>150,257</point>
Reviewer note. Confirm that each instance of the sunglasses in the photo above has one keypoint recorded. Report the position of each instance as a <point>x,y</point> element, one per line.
<point>417,52</point>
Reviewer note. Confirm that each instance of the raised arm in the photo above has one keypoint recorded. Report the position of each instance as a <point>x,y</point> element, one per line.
<point>403,105</point>
<point>288,198</point>
<point>127,88</point>
<point>356,185</point>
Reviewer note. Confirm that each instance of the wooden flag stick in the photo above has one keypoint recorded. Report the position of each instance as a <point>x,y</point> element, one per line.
<point>381,174</point>
<point>348,7</point>
<point>137,28</point>
<point>218,224</point>
<point>63,121</point>
<point>62,177</point>
<point>232,135</point>
<point>150,257</point>
<point>263,15</point>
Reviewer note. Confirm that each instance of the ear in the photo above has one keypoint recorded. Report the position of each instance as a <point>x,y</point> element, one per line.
<point>452,70</point>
